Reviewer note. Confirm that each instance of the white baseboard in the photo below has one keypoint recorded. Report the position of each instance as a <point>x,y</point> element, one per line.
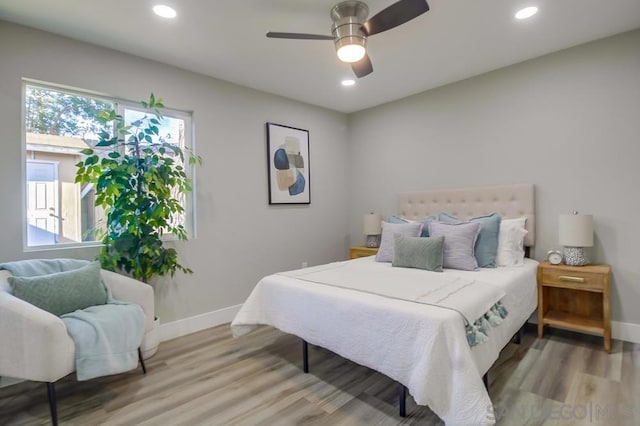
<point>174,329</point>
<point>625,331</point>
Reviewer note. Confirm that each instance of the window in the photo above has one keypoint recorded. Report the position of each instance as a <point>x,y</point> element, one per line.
<point>59,124</point>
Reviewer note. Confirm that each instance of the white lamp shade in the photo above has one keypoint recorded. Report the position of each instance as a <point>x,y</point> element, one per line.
<point>575,230</point>
<point>371,224</point>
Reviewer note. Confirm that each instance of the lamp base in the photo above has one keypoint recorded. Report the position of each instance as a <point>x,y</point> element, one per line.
<point>575,256</point>
<point>373,241</point>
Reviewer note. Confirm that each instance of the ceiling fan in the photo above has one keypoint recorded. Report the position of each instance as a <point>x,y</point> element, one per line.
<point>351,28</point>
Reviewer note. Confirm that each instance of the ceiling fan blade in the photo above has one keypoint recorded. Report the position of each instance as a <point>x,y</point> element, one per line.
<point>299,36</point>
<point>363,67</point>
<point>397,14</point>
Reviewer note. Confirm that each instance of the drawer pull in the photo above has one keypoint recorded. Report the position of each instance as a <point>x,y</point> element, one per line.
<point>571,279</point>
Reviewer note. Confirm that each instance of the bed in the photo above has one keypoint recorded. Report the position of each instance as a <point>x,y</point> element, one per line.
<point>421,346</point>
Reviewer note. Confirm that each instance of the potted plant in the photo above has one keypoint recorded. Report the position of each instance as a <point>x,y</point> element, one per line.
<point>140,180</point>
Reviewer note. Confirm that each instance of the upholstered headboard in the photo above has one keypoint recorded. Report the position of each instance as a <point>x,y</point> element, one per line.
<point>511,201</point>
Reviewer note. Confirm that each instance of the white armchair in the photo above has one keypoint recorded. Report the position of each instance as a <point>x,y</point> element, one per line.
<point>36,344</point>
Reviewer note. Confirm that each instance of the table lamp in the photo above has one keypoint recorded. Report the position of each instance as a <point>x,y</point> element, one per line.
<point>576,233</point>
<point>372,229</point>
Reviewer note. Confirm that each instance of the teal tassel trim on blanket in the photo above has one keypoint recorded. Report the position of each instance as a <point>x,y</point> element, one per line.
<point>478,332</point>
<point>501,310</point>
<point>483,325</point>
<point>493,318</point>
<point>475,336</point>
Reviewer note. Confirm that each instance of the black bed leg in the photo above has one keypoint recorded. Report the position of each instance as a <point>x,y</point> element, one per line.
<point>144,368</point>
<point>51,393</point>
<point>403,400</point>
<point>519,335</point>
<point>305,356</point>
<point>485,380</point>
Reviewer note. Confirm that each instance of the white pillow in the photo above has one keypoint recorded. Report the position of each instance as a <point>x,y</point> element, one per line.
<point>511,242</point>
<point>511,223</point>
<point>387,241</point>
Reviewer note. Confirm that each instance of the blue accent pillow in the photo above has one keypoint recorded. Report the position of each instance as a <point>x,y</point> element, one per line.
<point>425,223</point>
<point>486,248</point>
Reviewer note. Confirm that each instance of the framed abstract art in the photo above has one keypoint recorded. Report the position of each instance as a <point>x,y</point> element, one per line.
<point>288,164</point>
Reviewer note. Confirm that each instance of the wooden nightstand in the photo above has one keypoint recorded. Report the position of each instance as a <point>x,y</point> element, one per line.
<point>575,297</point>
<point>361,251</point>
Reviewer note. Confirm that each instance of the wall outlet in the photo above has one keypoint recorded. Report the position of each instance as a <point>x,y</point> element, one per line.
<point>305,264</point>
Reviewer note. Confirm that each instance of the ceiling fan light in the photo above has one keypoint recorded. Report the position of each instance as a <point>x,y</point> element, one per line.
<point>351,53</point>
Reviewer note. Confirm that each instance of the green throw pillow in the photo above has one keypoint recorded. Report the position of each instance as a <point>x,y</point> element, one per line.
<point>418,252</point>
<point>62,292</point>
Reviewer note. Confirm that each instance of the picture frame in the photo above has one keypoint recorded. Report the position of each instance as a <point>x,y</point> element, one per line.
<point>288,164</point>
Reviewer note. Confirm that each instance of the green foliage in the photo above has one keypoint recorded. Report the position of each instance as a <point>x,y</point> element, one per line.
<point>139,182</point>
<point>57,113</point>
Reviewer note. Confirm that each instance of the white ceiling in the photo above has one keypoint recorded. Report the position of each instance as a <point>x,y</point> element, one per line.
<point>226,39</point>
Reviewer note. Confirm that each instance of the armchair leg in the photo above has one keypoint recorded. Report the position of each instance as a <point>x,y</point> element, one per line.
<point>51,392</point>
<point>144,368</point>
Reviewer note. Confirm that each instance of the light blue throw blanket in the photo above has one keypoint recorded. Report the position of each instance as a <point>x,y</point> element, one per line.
<point>106,337</point>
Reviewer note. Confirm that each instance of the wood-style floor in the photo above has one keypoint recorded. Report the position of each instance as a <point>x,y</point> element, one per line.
<point>210,378</point>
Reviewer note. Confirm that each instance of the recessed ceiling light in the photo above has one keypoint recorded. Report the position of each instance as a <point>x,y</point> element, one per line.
<point>348,82</point>
<point>527,12</point>
<point>164,11</point>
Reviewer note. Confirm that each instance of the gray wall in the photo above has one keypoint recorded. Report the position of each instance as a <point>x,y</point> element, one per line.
<point>240,237</point>
<point>568,122</point>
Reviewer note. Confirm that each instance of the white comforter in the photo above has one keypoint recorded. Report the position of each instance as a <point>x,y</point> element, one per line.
<point>466,295</point>
<point>421,346</point>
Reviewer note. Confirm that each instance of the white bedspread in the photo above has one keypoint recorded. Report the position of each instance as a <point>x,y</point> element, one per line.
<point>468,296</point>
<point>421,346</point>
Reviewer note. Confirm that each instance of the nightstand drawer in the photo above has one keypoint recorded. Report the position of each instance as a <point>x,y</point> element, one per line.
<point>582,280</point>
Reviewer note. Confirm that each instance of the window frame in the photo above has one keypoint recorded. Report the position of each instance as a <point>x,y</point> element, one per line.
<point>119,105</point>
